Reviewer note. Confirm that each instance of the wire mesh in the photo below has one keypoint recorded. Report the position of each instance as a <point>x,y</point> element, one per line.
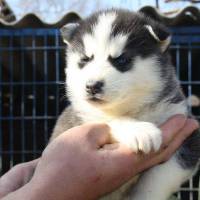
<point>32,90</point>
<point>185,51</point>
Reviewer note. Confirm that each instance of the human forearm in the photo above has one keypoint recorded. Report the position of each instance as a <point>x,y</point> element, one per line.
<point>24,193</point>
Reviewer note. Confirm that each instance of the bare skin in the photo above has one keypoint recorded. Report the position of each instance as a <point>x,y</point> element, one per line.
<point>84,164</point>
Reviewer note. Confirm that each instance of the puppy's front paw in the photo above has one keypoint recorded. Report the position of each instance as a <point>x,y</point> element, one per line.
<point>139,136</point>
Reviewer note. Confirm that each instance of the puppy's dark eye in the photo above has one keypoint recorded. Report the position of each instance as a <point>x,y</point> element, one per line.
<point>122,62</point>
<point>84,60</point>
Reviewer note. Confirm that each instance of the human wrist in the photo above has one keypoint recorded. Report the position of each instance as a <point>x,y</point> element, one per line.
<point>36,190</point>
<point>29,191</point>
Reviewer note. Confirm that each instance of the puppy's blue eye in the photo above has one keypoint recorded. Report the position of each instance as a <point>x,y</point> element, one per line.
<point>121,60</point>
<point>121,63</point>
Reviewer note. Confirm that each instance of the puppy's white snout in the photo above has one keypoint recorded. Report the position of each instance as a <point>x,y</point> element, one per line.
<point>94,87</point>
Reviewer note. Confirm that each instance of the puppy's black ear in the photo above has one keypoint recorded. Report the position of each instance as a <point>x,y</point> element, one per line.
<point>161,35</point>
<point>67,32</point>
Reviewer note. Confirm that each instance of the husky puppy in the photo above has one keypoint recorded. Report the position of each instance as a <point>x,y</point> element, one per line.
<point>119,72</point>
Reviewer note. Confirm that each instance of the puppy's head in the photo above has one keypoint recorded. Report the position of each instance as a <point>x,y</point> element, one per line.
<point>114,58</point>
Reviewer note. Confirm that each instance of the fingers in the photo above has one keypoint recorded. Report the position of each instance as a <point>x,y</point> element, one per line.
<point>171,128</point>
<point>166,153</point>
<point>17,177</point>
<point>29,169</point>
<point>32,163</point>
<point>97,135</point>
<point>190,126</point>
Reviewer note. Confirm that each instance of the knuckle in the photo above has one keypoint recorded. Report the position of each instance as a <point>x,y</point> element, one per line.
<point>103,126</point>
<point>20,168</point>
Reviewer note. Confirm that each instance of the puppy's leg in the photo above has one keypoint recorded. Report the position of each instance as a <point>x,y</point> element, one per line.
<point>139,136</point>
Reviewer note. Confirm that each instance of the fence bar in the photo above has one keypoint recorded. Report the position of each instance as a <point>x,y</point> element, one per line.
<point>23,98</point>
<point>45,91</point>
<point>1,105</point>
<point>11,141</point>
<point>34,95</point>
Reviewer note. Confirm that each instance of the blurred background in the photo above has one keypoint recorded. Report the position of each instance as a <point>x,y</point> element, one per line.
<point>52,10</point>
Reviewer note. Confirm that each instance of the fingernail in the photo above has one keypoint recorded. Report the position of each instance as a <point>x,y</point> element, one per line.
<point>196,123</point>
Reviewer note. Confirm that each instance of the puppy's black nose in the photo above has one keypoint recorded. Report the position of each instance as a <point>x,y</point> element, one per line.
<point>93,88</point>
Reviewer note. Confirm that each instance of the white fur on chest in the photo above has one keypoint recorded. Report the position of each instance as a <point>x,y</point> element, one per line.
<point>156,115</point>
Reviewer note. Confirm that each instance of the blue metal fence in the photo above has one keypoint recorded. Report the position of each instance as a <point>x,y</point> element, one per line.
<point>31,84</point>
<point>32,89</point>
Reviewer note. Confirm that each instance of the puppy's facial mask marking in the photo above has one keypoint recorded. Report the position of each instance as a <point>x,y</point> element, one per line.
<point>125,61</point>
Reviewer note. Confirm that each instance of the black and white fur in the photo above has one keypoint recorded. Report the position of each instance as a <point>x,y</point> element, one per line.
<point>119,72</point>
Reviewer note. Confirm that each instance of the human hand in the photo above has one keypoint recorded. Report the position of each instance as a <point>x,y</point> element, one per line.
<point>17,177</point>
<point>82,164</point>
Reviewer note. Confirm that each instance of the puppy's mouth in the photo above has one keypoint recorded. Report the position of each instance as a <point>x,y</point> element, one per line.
<point>96,100</point>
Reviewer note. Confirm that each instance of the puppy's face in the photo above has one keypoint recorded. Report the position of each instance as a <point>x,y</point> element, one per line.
<point>113,58</point>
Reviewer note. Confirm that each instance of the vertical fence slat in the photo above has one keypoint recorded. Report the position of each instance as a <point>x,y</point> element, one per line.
<point>45,90</point>
<point>22,98</point>
<point>34,94</point>
<point>1,96</point>
<point>57,72</point>
<point>11,100</point>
